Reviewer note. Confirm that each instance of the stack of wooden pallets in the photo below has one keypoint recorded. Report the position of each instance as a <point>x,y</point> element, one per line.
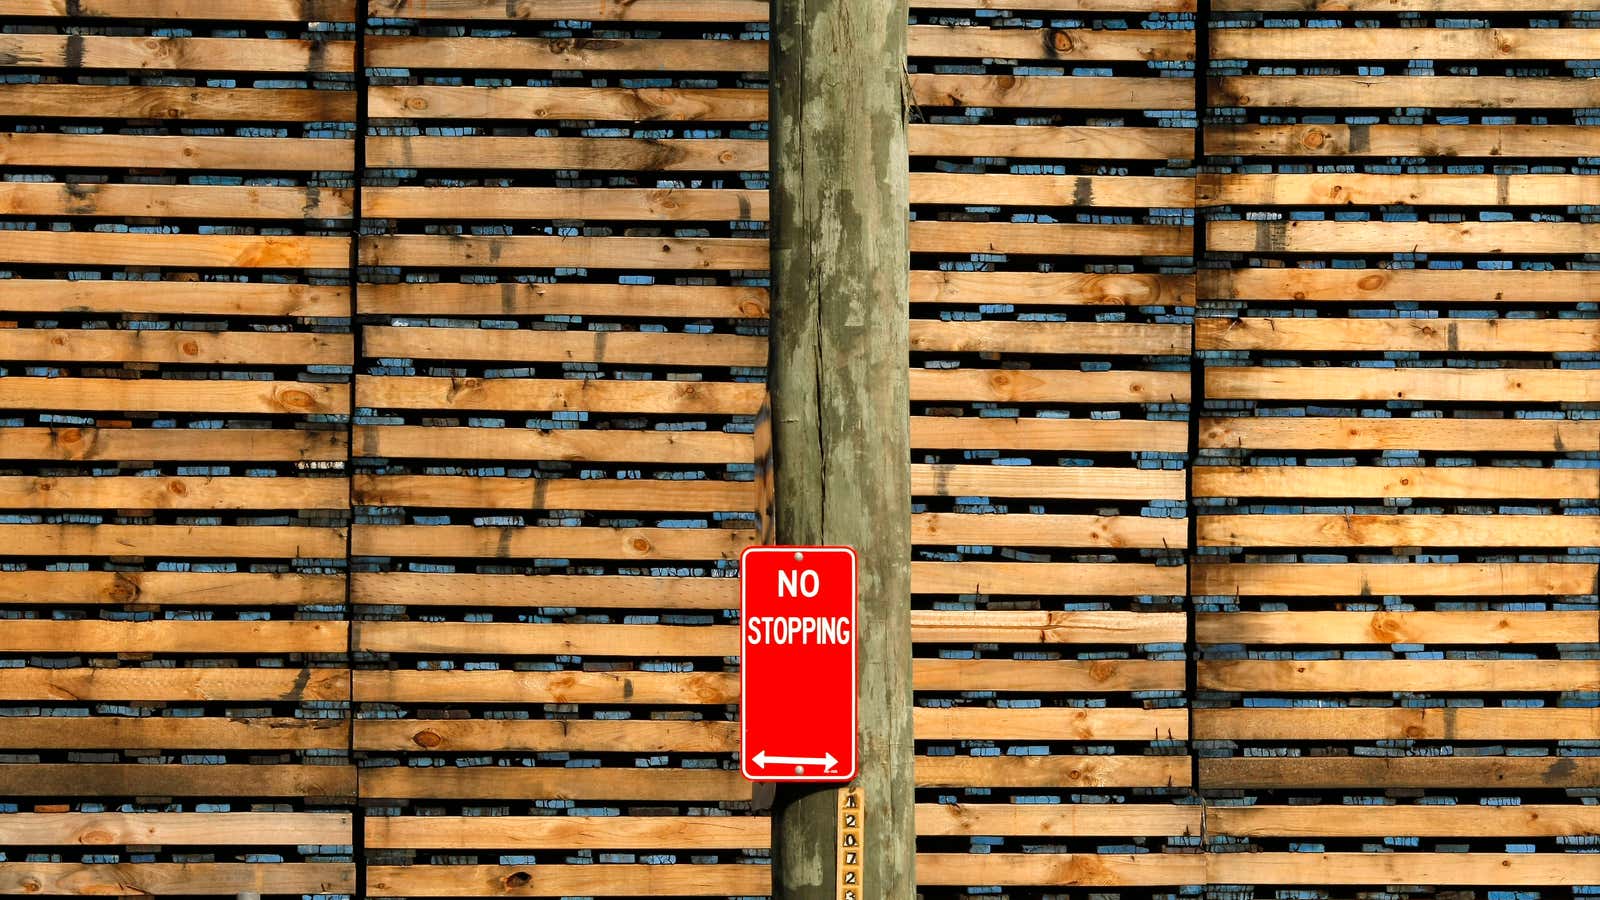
<point>514,372</point>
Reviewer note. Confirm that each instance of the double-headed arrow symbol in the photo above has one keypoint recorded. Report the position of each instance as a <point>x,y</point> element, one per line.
<point>826,761</point>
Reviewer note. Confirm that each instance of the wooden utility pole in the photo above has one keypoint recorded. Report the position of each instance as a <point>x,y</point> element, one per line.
<point>840,402</point>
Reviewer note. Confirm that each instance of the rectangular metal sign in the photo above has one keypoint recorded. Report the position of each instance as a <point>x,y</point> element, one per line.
<point>797,620</point>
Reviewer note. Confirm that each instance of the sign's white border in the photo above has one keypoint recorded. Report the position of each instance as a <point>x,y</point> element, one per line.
<point>744,756</point>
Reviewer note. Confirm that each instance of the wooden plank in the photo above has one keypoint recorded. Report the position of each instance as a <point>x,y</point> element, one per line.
<point>600,591</point>
<point>1381,579</point>
<point>1054,724</point>
<point>1055,772</point>
<point>523,153</point>
<point>955,188</point>
<point>1052,288</point>
<point>81,51</point>
<point>1088,435</point>
<point>1046,386</point>
<point>547,639</point>
<point>1107,338</point>
<point>1050,482</point>
<point>164,541</point>
<point>529,345</point>
<point>1367,676</point>
<point>1326,627</point>
<point>1373,44</point>
<point>187,444</point>
<point>1384,5</point>
<point>471,492</point>
<point>1383,91</point>
<point>1353,383</point>
<point>204,298</point>
<point>1097,6</point>
<point>173,733</point>
<point>1477,435</point>
<point>218,10</point>
<point>565,832</point>
<point>555,783</point>
<point>1027,530</point>
<point>1061,869</point>
<point>516,542</point>
<point>583,10</point>
<point>77,345</point>
<point>179,201</point>
<point>1467,141</point>
<point>505,52</point>
<point>1079,44</point>
<point>557,880</point>
<point>99,151</point>
<point>603,204</point>
<point>1426,335</point>
<point>567,299</point>
<point>172,588</point>
<point>42,492</point>
<point>1431,724</point>
<point>1507,869</point>
<point>78,101</point>
<point>1423,237</point>
<point>176,879</point>
<point>1098,676</point>
<point>1026,238</point>
<point>544,251</point>
<point>1312,286</point>
<point>1318,530</point>
<point>587,445</point>
<point>530,394</point>
<point>474,735</point>
<point>1356,189</point>
<point>1050,579</point>
<point>1056,820</point>
<point>327,782</point>
<point>1481,482</point>
<point>1046,627</point>
<point>1368,773</point>
<point>173,636</point>
<point>507,686</point>
<point>1455,821</point>
<point>1052,92</point>
<point>602,103</point>
<point>196,684</point>
<point>1051,141</point>
<point>176,829</point>
<point>84,249</point>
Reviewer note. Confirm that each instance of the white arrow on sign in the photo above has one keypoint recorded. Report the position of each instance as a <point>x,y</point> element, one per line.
<point>826,761</point>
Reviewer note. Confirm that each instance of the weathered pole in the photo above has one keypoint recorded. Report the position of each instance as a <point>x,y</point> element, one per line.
<point>840,401</point>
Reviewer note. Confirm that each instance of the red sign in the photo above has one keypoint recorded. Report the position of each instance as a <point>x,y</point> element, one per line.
<point>797,615</point>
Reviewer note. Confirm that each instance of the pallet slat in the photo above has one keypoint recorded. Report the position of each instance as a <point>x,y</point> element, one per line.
<point>539,833</point>
<point>176,829</point>
<point>77,51</point>
<point>176,879</point>
<point>614,104</point>
<point>220,10</point>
